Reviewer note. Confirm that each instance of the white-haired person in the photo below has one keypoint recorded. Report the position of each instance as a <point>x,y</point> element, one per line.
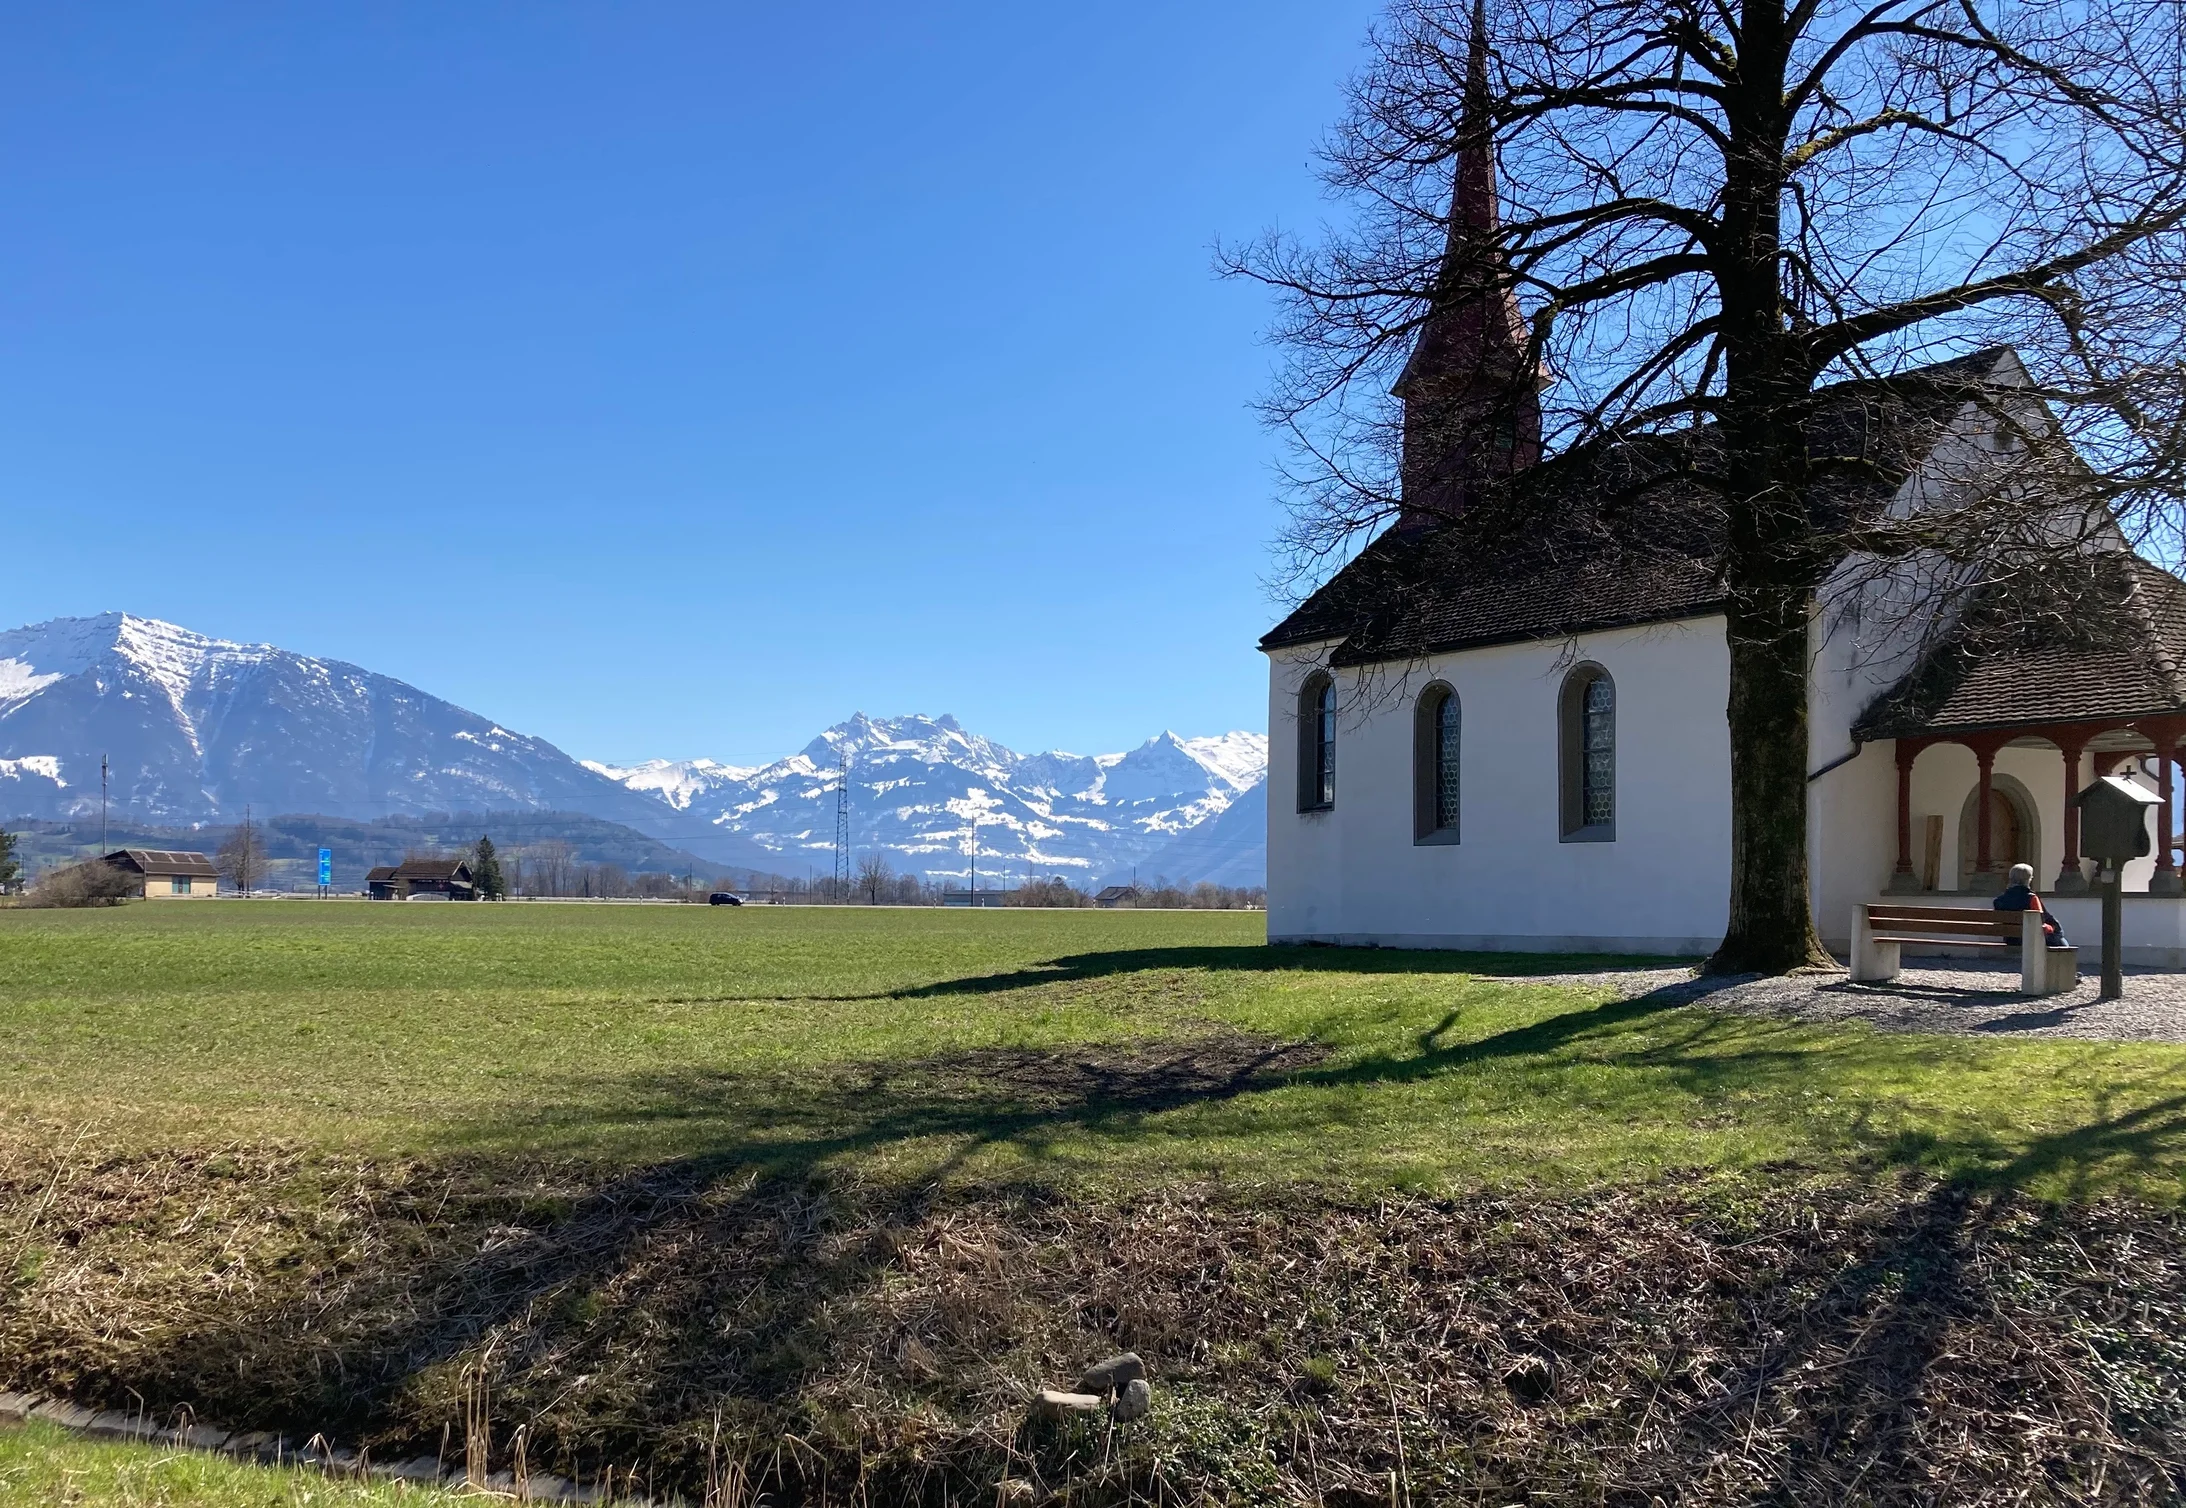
<point>2019,896</point>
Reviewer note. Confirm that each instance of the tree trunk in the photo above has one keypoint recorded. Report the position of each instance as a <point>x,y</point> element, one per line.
<point>1769,565</point>
<point>1771,923</point>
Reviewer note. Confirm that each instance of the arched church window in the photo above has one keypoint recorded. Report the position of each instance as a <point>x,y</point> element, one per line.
<point>1587,735</point>
<point>1317,744</point>
<point>1437,728</point>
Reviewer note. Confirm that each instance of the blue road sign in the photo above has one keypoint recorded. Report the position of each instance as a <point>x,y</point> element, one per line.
<point>326,866</point>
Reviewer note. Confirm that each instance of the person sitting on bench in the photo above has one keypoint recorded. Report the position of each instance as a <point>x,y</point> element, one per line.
<point>2019,896</point>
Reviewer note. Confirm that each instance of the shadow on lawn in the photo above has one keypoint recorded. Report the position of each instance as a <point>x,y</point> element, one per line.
<point>1278,959</point>
<point>1638,1062</point>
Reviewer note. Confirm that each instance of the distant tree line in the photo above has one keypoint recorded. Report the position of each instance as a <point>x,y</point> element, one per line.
<point>1163,895</point>
<point>551,869</point>
<point>877,884</point>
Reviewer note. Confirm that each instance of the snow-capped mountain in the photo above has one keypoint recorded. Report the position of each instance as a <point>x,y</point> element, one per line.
<point>675,781</point>
<point>1231,849</point>
<point>919,786</point>
<point>195,727</point>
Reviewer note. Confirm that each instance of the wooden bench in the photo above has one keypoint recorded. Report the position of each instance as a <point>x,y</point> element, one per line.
<point>1881,928</point>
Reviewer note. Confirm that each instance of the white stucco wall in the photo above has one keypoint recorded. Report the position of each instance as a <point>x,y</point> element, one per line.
<point>1355,875</point>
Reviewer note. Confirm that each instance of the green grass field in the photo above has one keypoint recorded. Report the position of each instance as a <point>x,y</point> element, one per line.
<point>45,1467</point>
<point>1086,1048</point>
<point>827,1193</point>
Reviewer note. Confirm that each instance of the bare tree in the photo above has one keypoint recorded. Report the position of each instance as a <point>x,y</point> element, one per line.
<point>242,858</point>
<point>1713,217</point>
<point>875,875</point>
<point>551,867</point>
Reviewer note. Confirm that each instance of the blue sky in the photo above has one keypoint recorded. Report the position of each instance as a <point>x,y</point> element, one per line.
<point>664,379</point>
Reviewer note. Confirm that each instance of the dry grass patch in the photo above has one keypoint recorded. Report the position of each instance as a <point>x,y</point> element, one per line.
<point>1903,1342</point>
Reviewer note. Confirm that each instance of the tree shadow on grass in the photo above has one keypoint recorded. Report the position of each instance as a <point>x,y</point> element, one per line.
<point>1271,959</point>
<point>1836,1402</point>
<point>615,1325</point>
<point>1641,1062</point>
<point>799,1123</point>
<point>2147,1137</point>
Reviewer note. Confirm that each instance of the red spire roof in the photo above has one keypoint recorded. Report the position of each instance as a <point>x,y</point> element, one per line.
<point>1472,411</point>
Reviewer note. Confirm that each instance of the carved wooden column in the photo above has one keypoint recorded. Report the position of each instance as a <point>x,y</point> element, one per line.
<point>1903,880</point>
<point>1984,862</point>
<point>2070,880</point>
<point>2164,733</point>
<point>2165,881</point>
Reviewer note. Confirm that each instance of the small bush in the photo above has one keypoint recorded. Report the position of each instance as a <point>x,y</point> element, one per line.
<point>91,883</point>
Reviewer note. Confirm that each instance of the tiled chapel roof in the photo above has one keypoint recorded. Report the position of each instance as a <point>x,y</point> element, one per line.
<point>2064,671</point>
<point>1403,597</point>
<point>1625,536</point>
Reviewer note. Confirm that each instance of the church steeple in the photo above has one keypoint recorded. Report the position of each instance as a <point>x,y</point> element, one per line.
<point>1472,410</point>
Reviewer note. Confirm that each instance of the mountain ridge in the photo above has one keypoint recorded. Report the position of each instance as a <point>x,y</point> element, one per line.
<point>921,786</point>
<point>198,727</point>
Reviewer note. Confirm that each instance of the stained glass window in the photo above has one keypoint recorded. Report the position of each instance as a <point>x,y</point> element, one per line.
<point>1324,746</point>
<point>1446,764</point>
<point>1598,754</point>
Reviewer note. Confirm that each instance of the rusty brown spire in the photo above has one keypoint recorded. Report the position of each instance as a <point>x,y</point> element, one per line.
<point>1472,409</point>
<point>1472,206</point>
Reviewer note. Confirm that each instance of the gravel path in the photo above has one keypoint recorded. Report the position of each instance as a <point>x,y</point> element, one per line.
<point>1968,999</point>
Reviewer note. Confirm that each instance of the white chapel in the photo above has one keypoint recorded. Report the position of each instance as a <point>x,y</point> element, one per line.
<point>1479,746</point>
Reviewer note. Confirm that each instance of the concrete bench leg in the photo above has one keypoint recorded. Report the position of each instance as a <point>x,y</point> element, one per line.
<point>2044,970</point>
<point>2033,954</point>
<point>2064,970</point>
<point>1872,962</point>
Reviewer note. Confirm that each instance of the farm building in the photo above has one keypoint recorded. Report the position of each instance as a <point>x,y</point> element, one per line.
<point>448,879</point>
<point>164,874</point>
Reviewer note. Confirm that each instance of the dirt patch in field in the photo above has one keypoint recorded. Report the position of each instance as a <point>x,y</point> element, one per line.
<point>1900,1343</point>
<point>1132,1076</point>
